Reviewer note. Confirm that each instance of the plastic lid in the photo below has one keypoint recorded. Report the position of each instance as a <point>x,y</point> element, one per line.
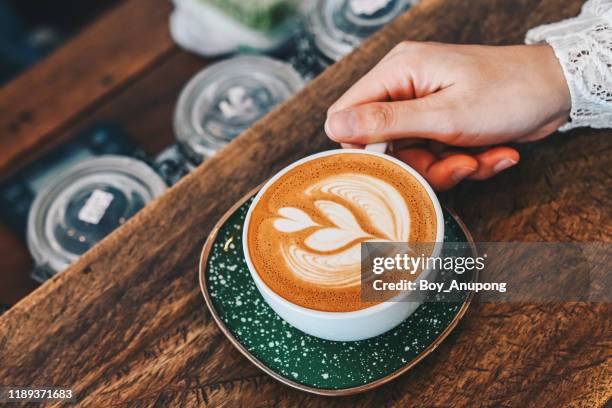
<point>226,98</point>
<point>83,204</point>
<point>338,26</point>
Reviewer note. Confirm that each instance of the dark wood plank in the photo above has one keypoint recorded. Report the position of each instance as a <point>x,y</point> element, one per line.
<point>15,282</point>
<point>113,51</point>
<point>144,109</point>
<point>139,332</point>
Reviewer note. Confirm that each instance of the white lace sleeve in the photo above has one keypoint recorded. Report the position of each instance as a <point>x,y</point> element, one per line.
<point>583,46</point>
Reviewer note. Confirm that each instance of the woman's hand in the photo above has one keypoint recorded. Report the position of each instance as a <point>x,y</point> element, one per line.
<point>429,98</point>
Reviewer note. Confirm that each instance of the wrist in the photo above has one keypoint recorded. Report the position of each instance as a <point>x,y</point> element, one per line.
<point>555,78</point>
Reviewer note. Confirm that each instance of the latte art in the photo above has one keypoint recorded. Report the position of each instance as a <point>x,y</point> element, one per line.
<point>306,231</point>
<point>330,256</point>
<point>380,202</point>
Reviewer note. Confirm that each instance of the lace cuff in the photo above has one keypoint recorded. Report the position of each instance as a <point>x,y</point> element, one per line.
<point>583,46</point>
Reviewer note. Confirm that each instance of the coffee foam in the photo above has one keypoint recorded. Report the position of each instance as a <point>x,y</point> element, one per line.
<point>306,231</point>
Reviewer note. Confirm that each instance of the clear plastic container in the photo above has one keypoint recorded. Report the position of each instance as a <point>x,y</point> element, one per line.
<point>338,26</point>
<point>226,98</point>
<point>82,205</point>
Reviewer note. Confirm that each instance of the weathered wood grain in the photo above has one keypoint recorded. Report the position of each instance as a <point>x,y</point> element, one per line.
<point>127,325</point>
<point>16,263</point>
<point>103,59</point>
<point>143,108</point>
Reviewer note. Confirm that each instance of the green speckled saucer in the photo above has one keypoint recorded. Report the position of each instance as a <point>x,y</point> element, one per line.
<point>298,359</point>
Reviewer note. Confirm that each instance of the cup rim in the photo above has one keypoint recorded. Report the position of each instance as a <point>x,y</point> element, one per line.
<point>320,313</point>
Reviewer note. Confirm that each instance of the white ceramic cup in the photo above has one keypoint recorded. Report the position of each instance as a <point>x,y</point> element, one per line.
<point>345,326</point>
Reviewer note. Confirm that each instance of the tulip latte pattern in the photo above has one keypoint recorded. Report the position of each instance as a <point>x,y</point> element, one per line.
<point>305,231</point>
<point>330,255</point>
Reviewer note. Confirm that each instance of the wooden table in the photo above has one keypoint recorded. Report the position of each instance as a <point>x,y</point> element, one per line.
<point>127,324</point>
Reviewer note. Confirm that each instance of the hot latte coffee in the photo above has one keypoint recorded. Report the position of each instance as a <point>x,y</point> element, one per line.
<point>305,231</point>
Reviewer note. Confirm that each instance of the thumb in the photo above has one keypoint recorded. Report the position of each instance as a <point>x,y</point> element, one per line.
<point>430,117</point>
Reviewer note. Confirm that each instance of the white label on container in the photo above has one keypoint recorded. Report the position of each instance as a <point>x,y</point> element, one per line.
<point>95,207</point>
<point>237,103</point>
<point>367,7</point>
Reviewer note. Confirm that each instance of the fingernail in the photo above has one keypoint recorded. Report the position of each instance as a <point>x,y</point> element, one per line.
<point>351,146</point>
<point>461,173</point>
<point>341,125</point>
<point>503,165</point>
